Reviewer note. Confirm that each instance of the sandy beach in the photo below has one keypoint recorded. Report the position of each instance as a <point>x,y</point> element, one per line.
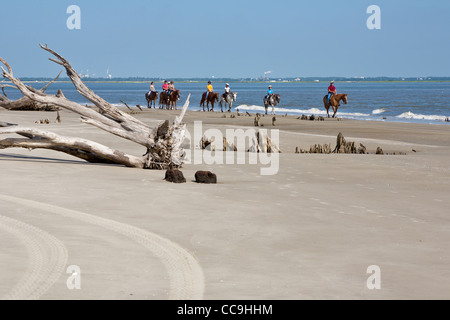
<point>308,232</point>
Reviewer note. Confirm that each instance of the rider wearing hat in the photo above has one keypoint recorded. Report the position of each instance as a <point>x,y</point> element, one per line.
<point>269,93</point>
<point>209,89</point>
<point>331,91</point>
<point>227,90</point>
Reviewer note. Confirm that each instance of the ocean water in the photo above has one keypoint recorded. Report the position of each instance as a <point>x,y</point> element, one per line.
<point>423,102</point>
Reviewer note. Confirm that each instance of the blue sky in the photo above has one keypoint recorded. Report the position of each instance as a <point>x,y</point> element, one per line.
<point>232,38</point>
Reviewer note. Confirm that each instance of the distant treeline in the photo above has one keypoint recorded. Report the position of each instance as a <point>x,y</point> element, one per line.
<point>231,80</point>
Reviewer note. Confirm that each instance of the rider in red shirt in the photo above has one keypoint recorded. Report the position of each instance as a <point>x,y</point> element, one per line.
<point>165,86</point>
<point>331,91</point>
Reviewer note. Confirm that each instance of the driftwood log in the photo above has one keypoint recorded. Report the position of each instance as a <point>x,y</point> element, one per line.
<point>163,143</point>
<point>25,103</point>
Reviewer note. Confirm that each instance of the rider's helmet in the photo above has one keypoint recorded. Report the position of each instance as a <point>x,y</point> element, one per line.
<point>209,82</point>
<point>227,85</point>
<point>270,86</point>
<point>332,81</point>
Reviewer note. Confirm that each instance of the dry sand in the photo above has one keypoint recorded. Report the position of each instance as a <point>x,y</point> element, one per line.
<point>308,232</point>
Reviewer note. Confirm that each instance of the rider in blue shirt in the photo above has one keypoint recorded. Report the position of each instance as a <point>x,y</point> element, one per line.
<point>269,93</point>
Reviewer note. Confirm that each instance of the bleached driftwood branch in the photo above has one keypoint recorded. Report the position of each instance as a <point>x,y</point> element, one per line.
<point>163,143</point>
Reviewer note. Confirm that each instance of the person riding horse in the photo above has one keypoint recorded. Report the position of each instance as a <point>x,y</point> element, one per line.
<point>332,99</point>
<point>152,88</point>
<point>152,95</point>
<point>227,91</point>
<point>269,93</point>
<point>171,88</point>
<point>209,89</point>
<point>271,99</point>
<point>331,91</point>
<point>165,86</point>
<point>227,98</point>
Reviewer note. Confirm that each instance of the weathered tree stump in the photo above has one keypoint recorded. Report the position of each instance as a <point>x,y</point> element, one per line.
<point>362,149</point>
<point>379,151</point>
<point>342,146</point>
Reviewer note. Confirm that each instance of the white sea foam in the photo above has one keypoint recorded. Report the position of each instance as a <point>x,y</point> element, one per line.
<point>310,111</point>
<point>379,111</point>
<point>411,115</point>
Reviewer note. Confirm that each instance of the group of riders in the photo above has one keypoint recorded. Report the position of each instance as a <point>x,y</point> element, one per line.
<point>271,99</point>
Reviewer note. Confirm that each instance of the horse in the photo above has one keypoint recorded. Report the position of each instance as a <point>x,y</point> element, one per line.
<point>173,98</point>
<point>164,100</point>
<point>334,102</point>
<point>272,101</point>
<point>228,99</point>
<point>151,98</point>
<point>212,98</point>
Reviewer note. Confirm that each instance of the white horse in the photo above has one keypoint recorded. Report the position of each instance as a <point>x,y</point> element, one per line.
<point>228,100</point>
<point>272,101</point>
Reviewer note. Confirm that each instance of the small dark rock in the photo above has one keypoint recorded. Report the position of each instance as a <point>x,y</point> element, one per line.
<point>175,176</point>
<point>304,117</point>
<point>205,177</point>
<point>312,118</point>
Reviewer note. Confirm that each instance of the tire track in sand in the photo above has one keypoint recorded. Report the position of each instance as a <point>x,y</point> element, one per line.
<point>185,273</point>
<point>47,260</point>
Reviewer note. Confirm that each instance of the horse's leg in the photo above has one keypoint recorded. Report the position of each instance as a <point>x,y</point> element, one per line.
<point>326,106</point>
<point>335,109</point>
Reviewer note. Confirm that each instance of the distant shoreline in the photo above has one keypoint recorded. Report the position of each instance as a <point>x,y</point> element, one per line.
<point>256,82</point>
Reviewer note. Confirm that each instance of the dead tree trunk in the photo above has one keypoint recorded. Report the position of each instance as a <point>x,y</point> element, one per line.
<point>163,143</point>
<point>25,103</point>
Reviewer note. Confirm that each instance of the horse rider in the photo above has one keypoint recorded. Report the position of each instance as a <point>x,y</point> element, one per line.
<point>209,89</point>
<point>165,86</point>
<point>171,87</point>
<point>331,91</point>
<point>152,88</point>
<point>269,93</point>
<point>227,90</point>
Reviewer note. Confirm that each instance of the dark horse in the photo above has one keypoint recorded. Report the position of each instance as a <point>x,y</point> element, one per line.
<point>173,98</point>
<point>334,102</point>
<point>164,100</point>
<point>151,98</point>
<point>272,101</point>
<point>213,97</point>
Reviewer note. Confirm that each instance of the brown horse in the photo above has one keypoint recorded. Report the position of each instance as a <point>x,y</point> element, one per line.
<point>334,102</point>
<point>151,98</point>
<point>164,100</point>
<point>213,97</point>
<point>173,98</point>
